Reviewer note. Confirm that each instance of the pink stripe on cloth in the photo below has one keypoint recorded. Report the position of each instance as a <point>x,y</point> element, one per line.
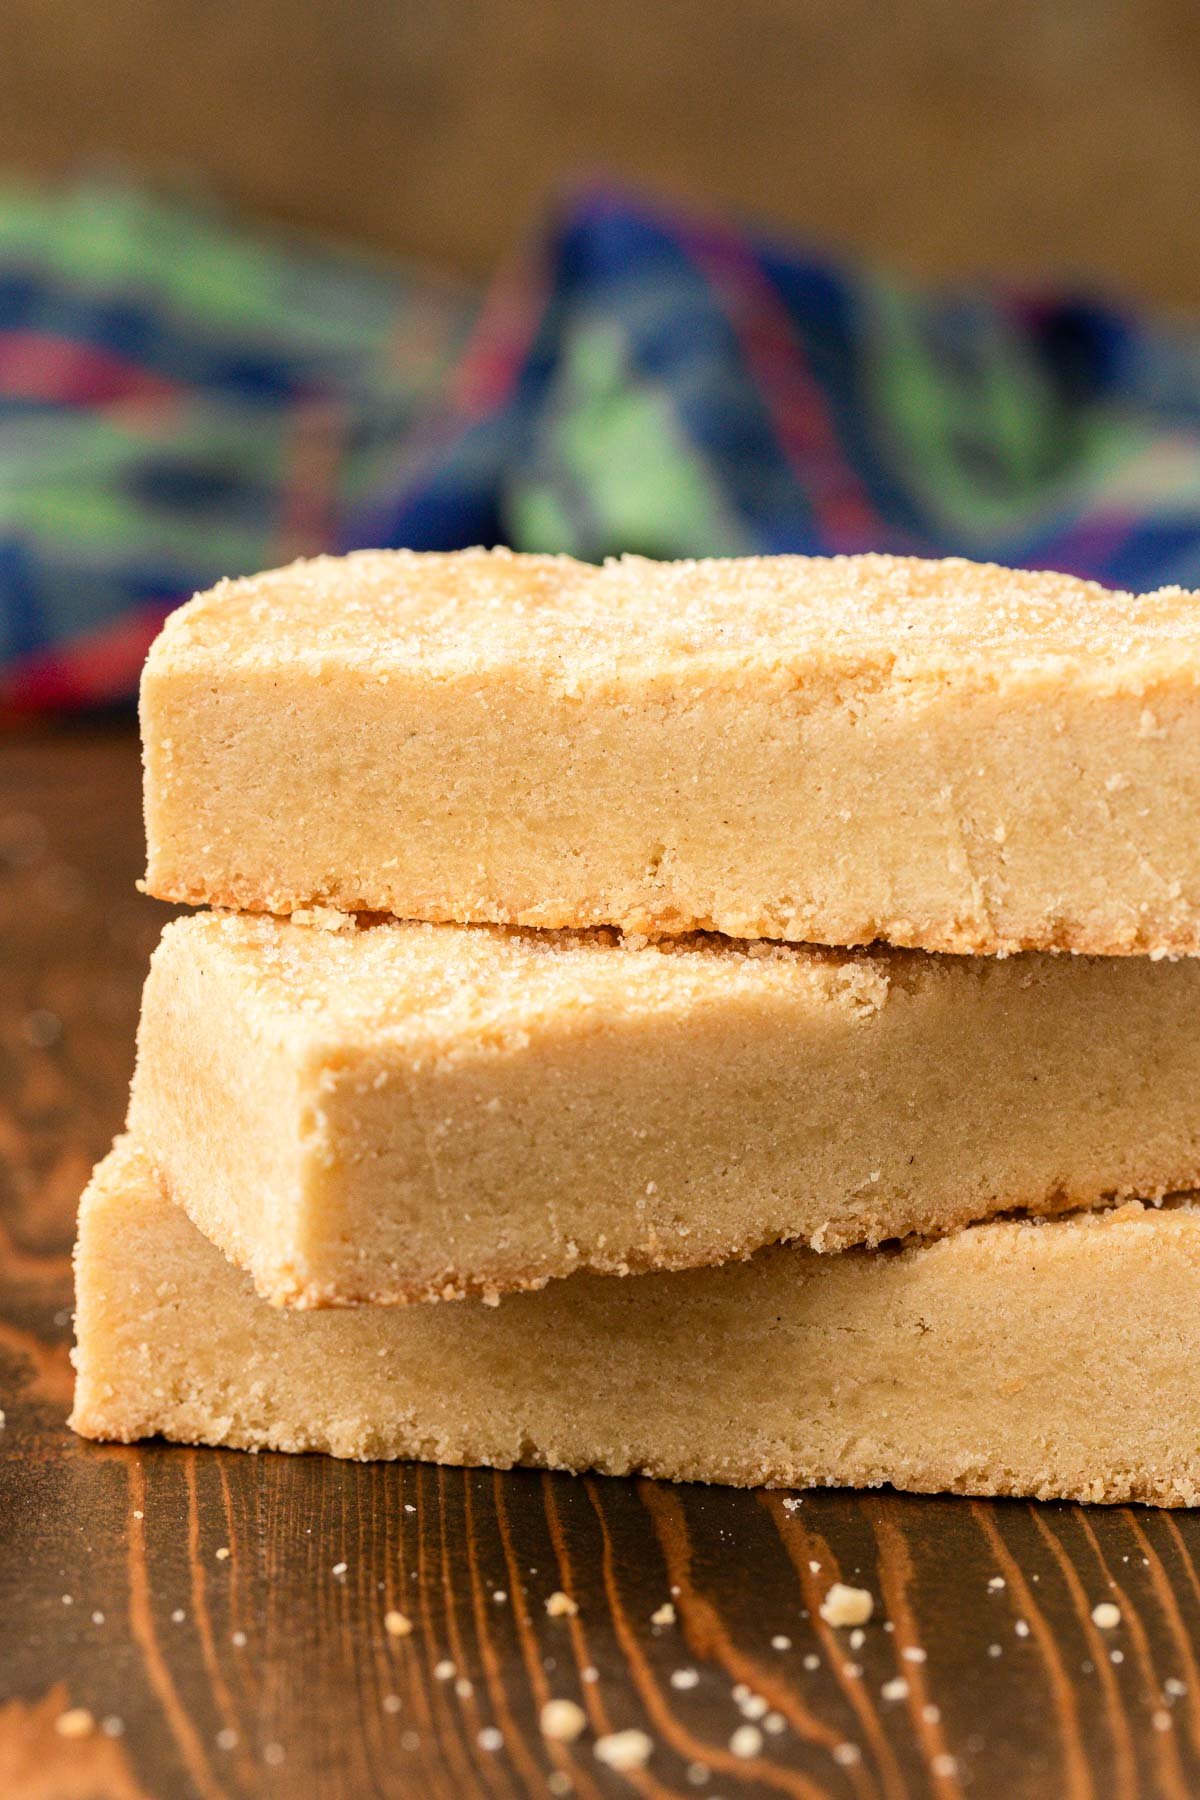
<point>775,357</point>
<point>36,365</point>
<point>499,346</point>
<point>314,458</point>
<point>92,670</point>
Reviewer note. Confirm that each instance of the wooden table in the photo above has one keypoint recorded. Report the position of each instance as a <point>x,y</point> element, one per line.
<point>268,1671</point>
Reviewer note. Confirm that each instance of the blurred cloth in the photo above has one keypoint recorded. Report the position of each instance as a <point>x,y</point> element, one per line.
<point>658,381</point>
<point>181,401</point>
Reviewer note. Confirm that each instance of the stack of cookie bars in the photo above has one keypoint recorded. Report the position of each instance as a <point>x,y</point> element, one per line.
<point>729,1020</point>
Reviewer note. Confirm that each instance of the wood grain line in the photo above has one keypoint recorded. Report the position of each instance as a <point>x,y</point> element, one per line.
<point>716,1756</point>
<point>895,1574</point>
<point>1076,1771</point>
<point>486,1616</point>
<point>648,1780</point>
<point>1165,1748</point>
<point>704,1633</point>
<point>200,1612</point>
<point>35,1267</point>
<point>1115,1714</point>
<point>428,1583</point>
<point>235,1538</point>
<point>804,1547</point>
<point>1180,1635</point>
<point>531,1654</point>
<point>468,1707</point>
<point>1172,1526</point>
<point>52,1378</point>
<point>141,1621</point>
<point>407,1649</point>
<point>38,1764</point>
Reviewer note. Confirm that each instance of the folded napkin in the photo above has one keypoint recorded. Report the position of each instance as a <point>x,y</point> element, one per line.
<point>655,380</point>
<point>180,400</point>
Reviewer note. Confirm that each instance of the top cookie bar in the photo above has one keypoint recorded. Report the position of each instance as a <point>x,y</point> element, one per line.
<point>944,755</point>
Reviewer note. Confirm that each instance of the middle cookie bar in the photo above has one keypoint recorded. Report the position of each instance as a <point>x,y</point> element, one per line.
<point>393,1112</point>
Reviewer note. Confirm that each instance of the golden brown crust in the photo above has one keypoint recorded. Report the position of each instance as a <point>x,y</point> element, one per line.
<point>886,612</point>
<point>1135,1487</point>
<point>287,1288</point>
<point>940,939</point>
<point>982,1363</point>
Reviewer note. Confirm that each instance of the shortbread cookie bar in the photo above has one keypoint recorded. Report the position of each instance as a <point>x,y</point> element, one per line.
<point>1054,1359</point>
<point>938,754</point>
<point>401,1111</point>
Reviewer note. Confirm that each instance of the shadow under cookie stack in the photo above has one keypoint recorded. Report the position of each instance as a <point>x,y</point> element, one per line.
<point>533,1099</point>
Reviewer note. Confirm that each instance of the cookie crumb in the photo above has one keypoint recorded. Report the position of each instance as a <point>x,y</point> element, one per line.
<point>562,1721</point>
<point>995,1584</point>
<point>1106,1615</point>
<point>844,1605</point>
<point>444,1670</point>
<point>895,1689</point>
<point>624,1750</point>
<point>779,1642</point>
<point>76,1722</point>
<point>665,1614</point>
<point>561,1606</point>
<point>685,1678</point>
<point>747,1741</point>
<point>222,1555</point>
<point>397,1624</point>
<point>490,1738</point>
<point>846,1754</point>
<point>324,918</point>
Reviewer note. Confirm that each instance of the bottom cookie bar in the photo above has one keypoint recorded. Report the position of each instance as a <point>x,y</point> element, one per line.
<point>1053,1359</point>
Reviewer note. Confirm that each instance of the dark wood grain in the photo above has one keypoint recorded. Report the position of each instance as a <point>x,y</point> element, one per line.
<point>264,1672</point>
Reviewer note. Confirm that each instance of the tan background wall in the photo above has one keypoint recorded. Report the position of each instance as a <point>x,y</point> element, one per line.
<point>942,135</point>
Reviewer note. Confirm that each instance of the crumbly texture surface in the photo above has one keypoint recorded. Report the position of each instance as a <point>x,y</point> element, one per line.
<point>399,1111</point>
<point>944,755</point>
<point>1053,1359</point>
